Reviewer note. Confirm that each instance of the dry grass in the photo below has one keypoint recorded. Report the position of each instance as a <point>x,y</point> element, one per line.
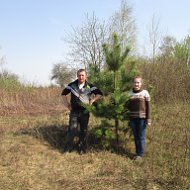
<point>31,158</point>
<point>33,126</point>
<point>169,145</point>
<point>30,100</point>
<point>29,164</point>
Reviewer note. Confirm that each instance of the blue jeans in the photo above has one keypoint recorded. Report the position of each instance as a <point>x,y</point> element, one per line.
<point>77,118</point>
<point>138,126</point>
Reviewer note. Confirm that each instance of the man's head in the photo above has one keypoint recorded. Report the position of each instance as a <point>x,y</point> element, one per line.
<point>137,83</point>
<point>81,75</point>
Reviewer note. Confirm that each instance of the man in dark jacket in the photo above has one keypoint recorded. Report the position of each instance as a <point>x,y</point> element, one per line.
<point>81,93</point>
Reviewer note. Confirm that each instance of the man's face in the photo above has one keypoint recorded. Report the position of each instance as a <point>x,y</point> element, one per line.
<point>81,76</point>
<point>137,84</point>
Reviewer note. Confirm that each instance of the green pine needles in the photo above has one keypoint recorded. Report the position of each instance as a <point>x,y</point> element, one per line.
<point>114,82</point>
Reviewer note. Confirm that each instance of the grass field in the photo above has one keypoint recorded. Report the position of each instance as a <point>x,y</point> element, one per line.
<point>31,155</point>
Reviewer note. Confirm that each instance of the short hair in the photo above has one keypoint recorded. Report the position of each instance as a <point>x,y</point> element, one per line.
<point>81,70</point>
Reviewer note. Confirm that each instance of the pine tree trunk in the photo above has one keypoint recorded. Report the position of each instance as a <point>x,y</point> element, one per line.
<point>117,135</point>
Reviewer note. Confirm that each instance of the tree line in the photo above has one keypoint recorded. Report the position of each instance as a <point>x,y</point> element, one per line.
<point>86,44</point>
<point>108,51</point>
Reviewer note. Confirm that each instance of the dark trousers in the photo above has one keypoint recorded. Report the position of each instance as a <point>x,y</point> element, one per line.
<point>81,119</point>
<point>138,126</point>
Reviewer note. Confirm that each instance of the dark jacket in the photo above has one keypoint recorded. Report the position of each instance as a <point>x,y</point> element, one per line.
<point>80,96</point>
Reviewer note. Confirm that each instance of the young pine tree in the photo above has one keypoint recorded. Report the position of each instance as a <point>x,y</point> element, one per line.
<point>114,82</point>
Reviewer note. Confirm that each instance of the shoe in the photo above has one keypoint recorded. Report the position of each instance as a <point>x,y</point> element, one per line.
<point>82,152</point>
<point>138,158</point>
<point>81,148</point>
<point>67,150</point>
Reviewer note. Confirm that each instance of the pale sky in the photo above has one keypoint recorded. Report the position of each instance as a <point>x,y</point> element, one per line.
<point>31,31</point>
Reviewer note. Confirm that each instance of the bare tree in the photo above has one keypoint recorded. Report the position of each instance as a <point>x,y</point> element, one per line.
<point>154,37</point>
<point>86,43</point>
<point>167,46</point>
<point>62,74</point>
<point>4,73</point>
<point>123,23</point>
<point>2,59</point>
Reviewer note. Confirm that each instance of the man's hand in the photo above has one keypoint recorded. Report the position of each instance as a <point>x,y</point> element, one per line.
<point>91,101</point>
<point>68,106</point>
<point>95,98</point>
